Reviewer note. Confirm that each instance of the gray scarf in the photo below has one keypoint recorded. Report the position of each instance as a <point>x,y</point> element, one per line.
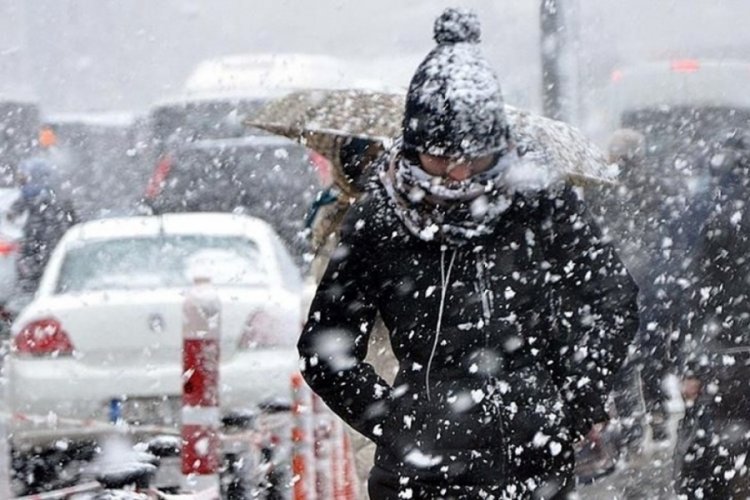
<point>434,209</point>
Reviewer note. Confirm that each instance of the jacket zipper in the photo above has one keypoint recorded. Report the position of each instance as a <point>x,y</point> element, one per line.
<point>444,282</point>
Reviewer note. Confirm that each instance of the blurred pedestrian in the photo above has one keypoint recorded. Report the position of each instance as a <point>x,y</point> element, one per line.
<point>634,214</point>
<point>714,435</point>
<point>47,215</point>
<point>506,311</point>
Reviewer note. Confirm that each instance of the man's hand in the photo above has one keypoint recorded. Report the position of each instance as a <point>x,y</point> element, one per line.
<point>691,389</point>
<point>593,436</point>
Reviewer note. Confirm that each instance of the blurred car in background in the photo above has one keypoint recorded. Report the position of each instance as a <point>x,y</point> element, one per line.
<point>106,322</point>
<point>206,159</point>
<point>675,103</point>
<point>261,175</point>
<point>219,94</point>
<point>101,166</point>
<point>197,117</point>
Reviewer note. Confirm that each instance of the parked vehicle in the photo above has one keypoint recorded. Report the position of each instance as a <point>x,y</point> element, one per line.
<point>664,98</point>
<point>220,93</point>
<point>105,323</point>
<point>196,117</point>
<point>100,161</point>
<point>262,175</point>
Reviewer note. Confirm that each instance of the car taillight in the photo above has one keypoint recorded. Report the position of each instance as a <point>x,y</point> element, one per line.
<point>43,337</point>
<point>159,177</point>
<point>322,166</point>
<point>8,248</point>
<point>260,331</point>
<point>685,65</point>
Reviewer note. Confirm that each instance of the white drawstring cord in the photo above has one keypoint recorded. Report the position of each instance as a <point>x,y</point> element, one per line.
<point>445,279</point>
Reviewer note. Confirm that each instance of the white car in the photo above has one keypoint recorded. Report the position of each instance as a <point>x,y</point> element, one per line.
<point>102,337</point>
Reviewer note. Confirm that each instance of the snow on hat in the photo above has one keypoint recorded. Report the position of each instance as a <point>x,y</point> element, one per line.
<point>454,107</point>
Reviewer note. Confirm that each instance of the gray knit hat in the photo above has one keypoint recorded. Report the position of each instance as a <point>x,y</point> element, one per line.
<point>454,106</point>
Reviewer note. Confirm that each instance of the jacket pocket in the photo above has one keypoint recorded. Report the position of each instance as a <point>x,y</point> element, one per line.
<point>449,423</point>
<point>535,420</point>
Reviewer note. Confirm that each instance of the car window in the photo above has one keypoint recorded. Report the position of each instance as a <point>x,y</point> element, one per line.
<point>161,262</point>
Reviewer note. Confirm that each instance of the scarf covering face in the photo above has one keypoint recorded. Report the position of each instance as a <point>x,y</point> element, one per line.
<point>434,209</point>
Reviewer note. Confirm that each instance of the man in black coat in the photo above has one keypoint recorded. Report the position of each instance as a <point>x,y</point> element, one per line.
<point>48,217</point>
<point>506,311</point>
<point>714,436</point>
<point>635,213</point>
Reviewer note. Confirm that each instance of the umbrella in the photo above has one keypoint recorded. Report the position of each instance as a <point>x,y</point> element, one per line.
<point>324,120</point>
<point>561,148</point>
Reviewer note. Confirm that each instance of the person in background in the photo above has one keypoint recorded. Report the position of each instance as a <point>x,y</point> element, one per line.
<point>633,213</point>
<point>506,311</point>
<point>714,435</point>
<point>48,217</point>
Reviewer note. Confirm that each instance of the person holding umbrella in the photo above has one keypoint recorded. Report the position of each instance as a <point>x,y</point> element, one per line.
<point>506,311</point>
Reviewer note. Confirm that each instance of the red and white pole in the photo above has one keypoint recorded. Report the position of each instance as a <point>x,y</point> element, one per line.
<point>303,467</point>
<point>323,449</point>
<point>337,459</point>
<point>350,474</point>
<point>342,463</point>
<point>201,419</point>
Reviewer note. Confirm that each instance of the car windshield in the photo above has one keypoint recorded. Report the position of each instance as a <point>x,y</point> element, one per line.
<point>161,262</point>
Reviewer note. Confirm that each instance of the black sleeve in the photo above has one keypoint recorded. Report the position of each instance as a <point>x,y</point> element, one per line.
<point>711,274</point>
<point>334,341</point>
<point>18,207</point>
<point>595,308</point>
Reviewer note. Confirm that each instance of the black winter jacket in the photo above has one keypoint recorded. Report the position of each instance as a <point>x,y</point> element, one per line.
<point>717,343</point>
<point>48,217</point>
<point>506,344</point>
